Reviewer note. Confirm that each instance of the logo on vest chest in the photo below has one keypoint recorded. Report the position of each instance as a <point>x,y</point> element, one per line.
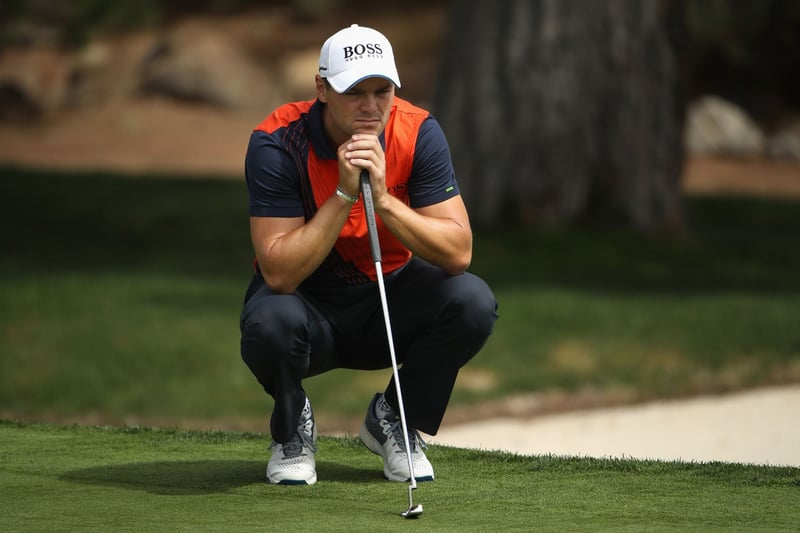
<point>399,191</point>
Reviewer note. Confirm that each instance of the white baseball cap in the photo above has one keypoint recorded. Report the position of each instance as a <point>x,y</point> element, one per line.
<point>354,54</point>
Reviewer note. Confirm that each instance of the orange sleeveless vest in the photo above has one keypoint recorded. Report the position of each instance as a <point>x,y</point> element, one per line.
<point>400,137</point>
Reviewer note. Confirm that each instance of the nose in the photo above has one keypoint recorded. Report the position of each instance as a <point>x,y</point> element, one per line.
<point>369,102</point>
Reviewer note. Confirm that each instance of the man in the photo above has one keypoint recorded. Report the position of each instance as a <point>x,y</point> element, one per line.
<point>313,304</point>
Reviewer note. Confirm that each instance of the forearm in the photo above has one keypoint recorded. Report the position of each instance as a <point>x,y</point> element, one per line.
<point>288,258</point>
<point>440,236</point>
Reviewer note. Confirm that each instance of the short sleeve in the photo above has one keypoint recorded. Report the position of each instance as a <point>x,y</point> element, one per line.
<point>432,176</point>
<point>272,179</point>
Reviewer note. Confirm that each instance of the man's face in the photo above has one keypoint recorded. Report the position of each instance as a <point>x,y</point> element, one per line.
<point>363,109</point>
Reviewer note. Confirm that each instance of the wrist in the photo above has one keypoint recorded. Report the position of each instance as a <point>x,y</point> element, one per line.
<point>346,197</point>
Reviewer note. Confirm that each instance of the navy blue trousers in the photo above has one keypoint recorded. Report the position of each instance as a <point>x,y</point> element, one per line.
<point>439,322</point>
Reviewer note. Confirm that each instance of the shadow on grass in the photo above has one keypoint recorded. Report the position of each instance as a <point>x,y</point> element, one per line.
<point>173,477</point>
<point>187,478</point>
<point>731,244</point>
<point>330,471</point>
<point>95,222</point>
<point>105,223</point>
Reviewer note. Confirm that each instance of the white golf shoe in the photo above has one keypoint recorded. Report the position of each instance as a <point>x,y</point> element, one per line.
<point>292,463</point>
<point>384,436</point>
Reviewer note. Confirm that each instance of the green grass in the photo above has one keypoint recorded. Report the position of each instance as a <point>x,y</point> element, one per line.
<point>120,297</point>
<point>72,478</point>
<point>119,302</point>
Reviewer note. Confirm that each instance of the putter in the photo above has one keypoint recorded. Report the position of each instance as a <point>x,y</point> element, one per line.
<point>413,511</point>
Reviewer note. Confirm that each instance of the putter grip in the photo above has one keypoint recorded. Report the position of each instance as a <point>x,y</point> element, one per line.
<point>369,212</point>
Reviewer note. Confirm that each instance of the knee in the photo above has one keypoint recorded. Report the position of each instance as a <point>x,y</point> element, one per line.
<point>476,304</point>
<point>272,325</point>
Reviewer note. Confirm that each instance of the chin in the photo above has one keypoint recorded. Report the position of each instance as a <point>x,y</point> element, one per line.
<point>368,128</point>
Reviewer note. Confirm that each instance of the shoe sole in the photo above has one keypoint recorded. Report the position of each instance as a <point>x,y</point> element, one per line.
<point>309,481</point>
<point>375,447</point>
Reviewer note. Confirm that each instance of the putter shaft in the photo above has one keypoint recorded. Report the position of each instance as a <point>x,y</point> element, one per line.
<point>369,211</point>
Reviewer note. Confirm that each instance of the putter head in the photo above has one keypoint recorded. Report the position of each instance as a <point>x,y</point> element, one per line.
<point>413,512</point>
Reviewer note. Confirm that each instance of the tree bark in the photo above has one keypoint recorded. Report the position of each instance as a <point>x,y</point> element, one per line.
<point>556,109</point>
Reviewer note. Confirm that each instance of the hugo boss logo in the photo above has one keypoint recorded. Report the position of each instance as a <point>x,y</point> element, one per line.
<point>398,190</point>
<point>360,49</point>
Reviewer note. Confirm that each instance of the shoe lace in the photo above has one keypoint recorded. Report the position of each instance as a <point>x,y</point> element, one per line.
<point>414,437</point>
<point>301,439</point>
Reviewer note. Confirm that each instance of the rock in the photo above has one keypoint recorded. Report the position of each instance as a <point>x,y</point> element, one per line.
<point>716,126</point>
<point>297,73</point>
<point>785,144</point>
<point>33,82</point>
<point>89,78</point>
<point>198,64</point>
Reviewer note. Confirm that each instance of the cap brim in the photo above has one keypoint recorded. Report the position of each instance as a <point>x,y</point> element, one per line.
<point>345,81</point>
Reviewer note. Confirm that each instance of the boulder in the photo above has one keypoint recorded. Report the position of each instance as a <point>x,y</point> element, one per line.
<point>785,143</point>
<point>33,82</point>
<point>198,64</point>
<point>297,73</point>
<point>715,126</point>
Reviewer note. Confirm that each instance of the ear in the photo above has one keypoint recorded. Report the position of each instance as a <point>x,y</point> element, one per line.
<point>321,89</point>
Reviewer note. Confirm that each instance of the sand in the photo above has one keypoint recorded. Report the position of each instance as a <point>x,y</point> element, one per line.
<point>758,426</point>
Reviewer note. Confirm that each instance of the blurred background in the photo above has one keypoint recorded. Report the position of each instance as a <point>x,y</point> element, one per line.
<point>632,171</point>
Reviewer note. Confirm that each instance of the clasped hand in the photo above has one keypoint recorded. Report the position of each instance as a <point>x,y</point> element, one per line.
<point>362,152</point>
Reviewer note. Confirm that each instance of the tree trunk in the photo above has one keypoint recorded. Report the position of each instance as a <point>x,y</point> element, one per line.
<point>557,109</point>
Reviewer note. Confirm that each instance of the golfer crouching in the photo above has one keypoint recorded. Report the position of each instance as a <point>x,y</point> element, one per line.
<point>313,303</point>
